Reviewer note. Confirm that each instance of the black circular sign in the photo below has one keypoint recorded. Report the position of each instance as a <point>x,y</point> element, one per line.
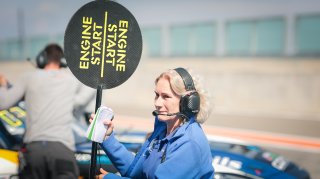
<point>103,44</point>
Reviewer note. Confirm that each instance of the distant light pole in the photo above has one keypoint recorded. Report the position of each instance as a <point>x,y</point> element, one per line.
<point>21,33</point>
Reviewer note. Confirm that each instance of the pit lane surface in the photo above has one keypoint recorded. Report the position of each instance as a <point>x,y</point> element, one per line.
<point>295,138</point>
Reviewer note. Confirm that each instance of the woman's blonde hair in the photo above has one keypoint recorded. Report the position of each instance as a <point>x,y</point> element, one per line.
<point>178,87</point>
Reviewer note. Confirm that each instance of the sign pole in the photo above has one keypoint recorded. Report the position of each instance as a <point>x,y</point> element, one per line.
<point>93,162</point>
<point>103,46</point>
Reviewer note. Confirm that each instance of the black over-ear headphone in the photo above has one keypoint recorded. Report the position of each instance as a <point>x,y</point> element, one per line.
<point>189,103</point>
<point>42,59</point>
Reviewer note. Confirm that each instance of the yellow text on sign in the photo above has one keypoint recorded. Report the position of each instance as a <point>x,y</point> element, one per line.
<point>117,45</point>
<point>102,44</point>
<point>91,42</point>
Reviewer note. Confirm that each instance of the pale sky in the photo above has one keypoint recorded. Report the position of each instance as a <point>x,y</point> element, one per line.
<point>50,17</point>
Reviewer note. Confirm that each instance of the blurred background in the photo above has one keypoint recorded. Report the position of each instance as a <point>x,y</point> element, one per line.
<point>260,60</point>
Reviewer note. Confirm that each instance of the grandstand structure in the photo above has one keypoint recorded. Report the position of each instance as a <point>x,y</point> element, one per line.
<point>209,29</point>
<point>259,58</point>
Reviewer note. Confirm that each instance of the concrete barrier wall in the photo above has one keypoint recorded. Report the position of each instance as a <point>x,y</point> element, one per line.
<point>282,88</point>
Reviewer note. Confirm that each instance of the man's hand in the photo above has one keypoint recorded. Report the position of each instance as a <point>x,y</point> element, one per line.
<point>103,173</point>
<point>3,81</point>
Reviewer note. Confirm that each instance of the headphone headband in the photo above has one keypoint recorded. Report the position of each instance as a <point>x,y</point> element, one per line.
<point>189,103</point>
<point>187,79</point>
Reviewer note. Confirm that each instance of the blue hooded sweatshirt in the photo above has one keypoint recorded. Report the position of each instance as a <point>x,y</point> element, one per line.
<point>187,155</point>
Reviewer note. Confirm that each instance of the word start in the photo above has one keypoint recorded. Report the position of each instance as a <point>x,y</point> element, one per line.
<point>103,44</point>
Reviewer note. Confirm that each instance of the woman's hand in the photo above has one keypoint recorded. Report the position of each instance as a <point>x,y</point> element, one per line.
<point>103,173</point>
<point>108,123</point>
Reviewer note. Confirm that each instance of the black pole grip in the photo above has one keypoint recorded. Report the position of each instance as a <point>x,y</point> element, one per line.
<point>95,144</point>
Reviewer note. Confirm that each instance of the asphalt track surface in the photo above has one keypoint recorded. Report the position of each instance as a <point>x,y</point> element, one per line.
<point>299,143</point>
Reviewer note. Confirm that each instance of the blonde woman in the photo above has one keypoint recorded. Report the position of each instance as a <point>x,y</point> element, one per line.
<point>178,147</point>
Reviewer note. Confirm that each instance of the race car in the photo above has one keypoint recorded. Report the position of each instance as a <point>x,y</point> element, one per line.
<point>244,160</point>
<point>232,158</point>
<point>8,164</point>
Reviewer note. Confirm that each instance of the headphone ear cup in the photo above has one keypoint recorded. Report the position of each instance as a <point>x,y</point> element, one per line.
<point>42,59</point>
<point>63,63</point>
<point>190,104</point>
